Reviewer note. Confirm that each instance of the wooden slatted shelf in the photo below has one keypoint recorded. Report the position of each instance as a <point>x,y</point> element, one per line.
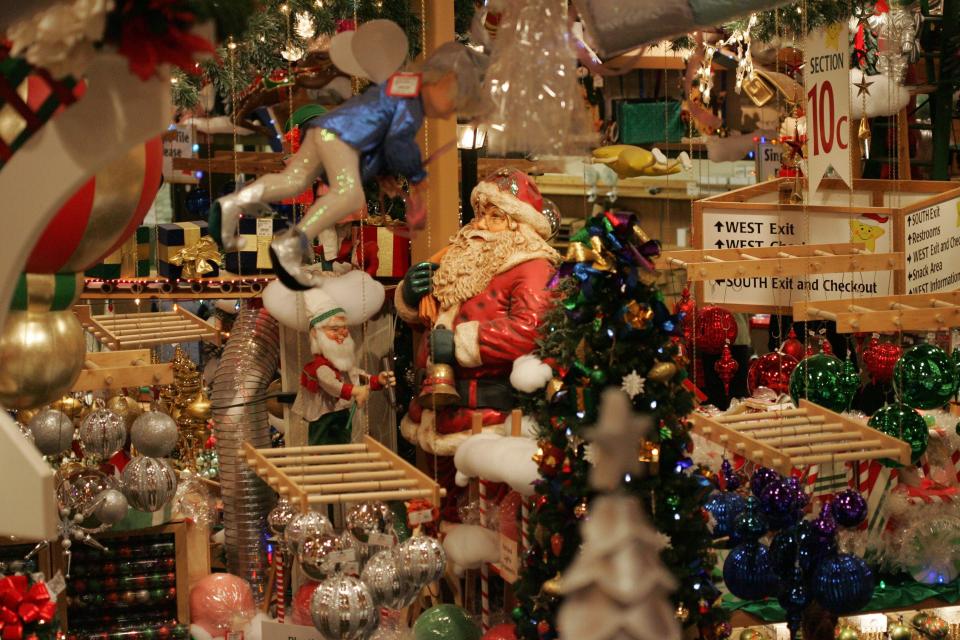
<point>120,369</point>
<point>341,473</point>
<point>795,438</point>
<point>794,260</point>
<point>159,287</point>
<point>887,314</point>
<point>125,330</point>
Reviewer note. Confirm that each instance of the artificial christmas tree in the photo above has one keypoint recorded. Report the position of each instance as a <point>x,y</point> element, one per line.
<point>610,327</point>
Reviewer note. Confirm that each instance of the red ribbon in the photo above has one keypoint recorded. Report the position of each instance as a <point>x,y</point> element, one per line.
<point>929,489</point>
<point>22,603</point>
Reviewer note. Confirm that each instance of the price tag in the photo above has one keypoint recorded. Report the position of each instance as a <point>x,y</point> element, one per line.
<point>56,585</point>
<point>264,236</point>
<point>826,80</point>
<point>404,85</point>
<point>381,540</point>
<point>420,517</point>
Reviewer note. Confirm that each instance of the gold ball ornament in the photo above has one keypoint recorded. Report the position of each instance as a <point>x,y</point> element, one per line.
<point>682,613</point>
<point>72,407</point>
<point>41,354</point>
<point>845,632</point>
<point>125,407</point>
<point>24,416</point>
<point>662,371</point>
<point>553,586</point>
<point>273,405</point>
<point>752,634</point>
<point>899,631</point>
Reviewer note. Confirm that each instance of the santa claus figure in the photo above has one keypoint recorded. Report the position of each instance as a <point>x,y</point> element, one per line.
<point>483,299</point>
<point>332,386</point>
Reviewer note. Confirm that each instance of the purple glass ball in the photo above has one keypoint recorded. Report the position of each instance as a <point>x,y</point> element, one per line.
<point>762,476</point>
<point>777,499</point>
<point>825,525</point>
<point>730,477</point>
<point>849,508</point>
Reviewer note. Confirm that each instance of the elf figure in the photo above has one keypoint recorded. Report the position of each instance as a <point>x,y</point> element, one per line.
<point>371,136</point>
<point>332,386</point>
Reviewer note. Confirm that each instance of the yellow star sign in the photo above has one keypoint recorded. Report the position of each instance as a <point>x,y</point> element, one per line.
<point>832,36</point>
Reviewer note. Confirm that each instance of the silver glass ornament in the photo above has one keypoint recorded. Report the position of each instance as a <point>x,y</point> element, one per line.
<point>149,483</point>
<point>382,578</point>
<point>371,523</point>
<point>78,490</point>
<point>342,608</point>
<point>102,433</point>
<point>323,555</point>
<point>420,561</point>
<point>25,431</point>
<point>52,431</point>
<point>154,434</point>
<point>303,525</point>
<point>280,516</point>
<point>111,506</point>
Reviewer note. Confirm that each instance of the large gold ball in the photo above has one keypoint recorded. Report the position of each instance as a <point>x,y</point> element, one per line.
<point>41,354</point>
<point>662,371</point>
<point>125,407</point>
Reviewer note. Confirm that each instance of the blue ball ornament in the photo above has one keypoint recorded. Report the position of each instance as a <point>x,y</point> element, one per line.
<point>843,584</point>
<point>724,507</point>
<point>747,572</point>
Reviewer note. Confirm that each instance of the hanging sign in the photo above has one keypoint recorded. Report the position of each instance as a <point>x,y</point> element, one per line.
<point>932,237</point>
<point>826,81</point>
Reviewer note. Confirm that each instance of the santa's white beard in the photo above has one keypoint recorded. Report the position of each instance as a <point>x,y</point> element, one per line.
<point>341,354</point>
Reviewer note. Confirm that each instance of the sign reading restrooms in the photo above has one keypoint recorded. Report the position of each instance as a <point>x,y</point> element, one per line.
<point>826,83</point>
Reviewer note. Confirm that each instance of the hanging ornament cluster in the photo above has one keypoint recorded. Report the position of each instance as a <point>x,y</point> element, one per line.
<point>739,40</point>
<point>802,563</point>
<point>360,570</point>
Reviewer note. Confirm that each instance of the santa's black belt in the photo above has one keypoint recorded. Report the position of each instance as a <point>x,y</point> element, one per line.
<point>493,394</point>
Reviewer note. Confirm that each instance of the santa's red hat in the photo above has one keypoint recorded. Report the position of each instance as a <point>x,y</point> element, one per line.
<point>516,194</point>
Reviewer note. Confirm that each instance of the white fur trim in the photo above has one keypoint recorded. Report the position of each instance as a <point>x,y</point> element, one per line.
<point>424,433</point>
<point>466,337</point>
<point>530,373</point>
<point>512,206</point>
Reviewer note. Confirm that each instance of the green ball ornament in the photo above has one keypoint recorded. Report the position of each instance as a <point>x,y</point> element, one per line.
<point>824,380</point>
<point>598,376</point>
<point>904,423</point>
<point>517,614</point>
<point>847,633</point>
<point>899,631</point>
<point>925,377</point>
<point>445,622</point>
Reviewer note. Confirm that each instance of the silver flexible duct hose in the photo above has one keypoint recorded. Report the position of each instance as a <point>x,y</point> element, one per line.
<point>248,364</point>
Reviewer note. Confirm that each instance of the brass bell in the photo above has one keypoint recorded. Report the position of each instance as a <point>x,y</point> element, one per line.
<point>438,388</point>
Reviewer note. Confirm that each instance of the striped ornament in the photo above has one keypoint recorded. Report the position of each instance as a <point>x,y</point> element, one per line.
<point>103,213</point>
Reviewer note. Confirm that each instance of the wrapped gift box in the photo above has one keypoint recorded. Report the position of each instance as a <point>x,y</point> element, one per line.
<point>254,256</point>
<point>131,260</point>
<point>383,251</point>
<point>173,239</point>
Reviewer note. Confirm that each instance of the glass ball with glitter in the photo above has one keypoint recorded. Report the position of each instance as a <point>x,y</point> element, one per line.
<point>102,433</point>
<point>149,483</point>
<point>843,584</point>
<point>343,608</point>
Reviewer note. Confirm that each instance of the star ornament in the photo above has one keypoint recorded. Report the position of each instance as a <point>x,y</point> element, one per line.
<point>633,384</point>
<point>863,87</point>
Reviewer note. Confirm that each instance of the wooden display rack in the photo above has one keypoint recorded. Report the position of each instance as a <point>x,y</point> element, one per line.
<point>778,261</point>
<point>149,329</point>
<point>119,369</point>
<point>795,438</point>
<point>888,314</point>
<point>341,473</point>
<point>913,222</point>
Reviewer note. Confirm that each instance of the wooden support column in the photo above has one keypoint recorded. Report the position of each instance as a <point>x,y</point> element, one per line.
<point>443,194</point>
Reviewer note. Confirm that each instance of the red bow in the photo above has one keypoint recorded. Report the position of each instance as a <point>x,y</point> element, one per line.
<point>21,603</point>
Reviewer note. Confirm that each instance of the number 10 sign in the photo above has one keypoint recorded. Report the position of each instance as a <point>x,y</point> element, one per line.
<point>826,80</point>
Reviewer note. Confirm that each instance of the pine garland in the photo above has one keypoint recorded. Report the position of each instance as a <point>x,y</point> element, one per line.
<point>257,50</point>
<point>787,22</point>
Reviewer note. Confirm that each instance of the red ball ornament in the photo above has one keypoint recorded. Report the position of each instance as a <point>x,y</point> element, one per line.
<point>826,347</point>
<point>551,460</point>
<point>686,308</point>
<point>556,544</point>
<point>726,368</point>
<point>505,631</point>
<point>880,358</point>
<point>771,370</point>
<point>715,327</point>
<point>543,627</point>
<point>793,347</point>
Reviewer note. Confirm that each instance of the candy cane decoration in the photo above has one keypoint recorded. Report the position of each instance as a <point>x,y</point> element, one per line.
<point>281,587</point>
<point>524,521</point>
<point>484,568</point>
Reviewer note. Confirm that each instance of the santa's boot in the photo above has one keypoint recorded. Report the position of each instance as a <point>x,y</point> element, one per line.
<point>290,252</point>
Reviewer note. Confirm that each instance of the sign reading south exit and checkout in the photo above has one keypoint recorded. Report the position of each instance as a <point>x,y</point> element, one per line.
<point>826,83</point>
<point>932,237</point>
<point>729,230</point>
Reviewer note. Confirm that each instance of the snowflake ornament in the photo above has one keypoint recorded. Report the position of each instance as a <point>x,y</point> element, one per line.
<point>633,384</point>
